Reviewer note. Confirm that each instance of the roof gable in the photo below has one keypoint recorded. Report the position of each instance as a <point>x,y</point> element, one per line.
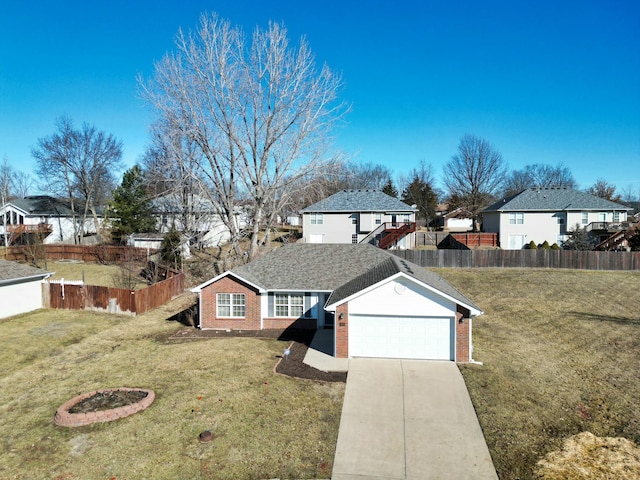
<point>359,201</point>
<point>395,267</point>
<point>553,199</point>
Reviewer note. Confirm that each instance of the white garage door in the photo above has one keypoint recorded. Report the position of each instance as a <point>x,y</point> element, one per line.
<point>401,337</point>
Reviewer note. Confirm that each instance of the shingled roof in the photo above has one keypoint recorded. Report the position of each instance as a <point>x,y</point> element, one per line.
<point>44,205</point>
<point>12,271</point>
<point>390,267</point>
<point>343,269</point>
<point>553,199</point>
<point>359,201</point>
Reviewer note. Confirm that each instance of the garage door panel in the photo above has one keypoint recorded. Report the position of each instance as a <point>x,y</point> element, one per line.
<point>401,337</point>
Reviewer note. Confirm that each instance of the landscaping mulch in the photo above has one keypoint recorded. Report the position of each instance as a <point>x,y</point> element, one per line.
<point>292,366</point>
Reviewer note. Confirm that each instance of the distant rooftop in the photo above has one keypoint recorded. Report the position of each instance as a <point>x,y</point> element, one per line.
<point>359,201</point>
<point>553,199</point>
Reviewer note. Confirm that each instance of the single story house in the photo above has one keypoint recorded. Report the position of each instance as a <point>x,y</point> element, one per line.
<point>195,217</point>
<point>551,214</point>
<point>20,288</point>
<point>377,304</point>
<point>360,216</point>
<point>49,218</point>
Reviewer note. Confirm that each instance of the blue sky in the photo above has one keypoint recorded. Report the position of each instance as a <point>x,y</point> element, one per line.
<point>546,81</point>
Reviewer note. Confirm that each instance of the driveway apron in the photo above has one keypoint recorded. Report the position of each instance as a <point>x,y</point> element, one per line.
<point>409,420</point>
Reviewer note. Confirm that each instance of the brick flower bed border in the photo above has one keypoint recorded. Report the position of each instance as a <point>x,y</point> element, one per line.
<point>64,418</point>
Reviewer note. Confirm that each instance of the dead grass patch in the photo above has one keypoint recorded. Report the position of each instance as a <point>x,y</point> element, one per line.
<point>265,425</point>
<point>94,273</point>
<point>585,456</point>
<point>560,351</point>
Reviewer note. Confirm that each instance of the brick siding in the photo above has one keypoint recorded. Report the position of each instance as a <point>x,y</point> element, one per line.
<point>463,327</point>
<point>208,307</point>
<point>342,331</point>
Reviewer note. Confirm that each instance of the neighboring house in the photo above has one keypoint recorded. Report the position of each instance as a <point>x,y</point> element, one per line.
<point>50,219</point>
<point>457,220</point>
<point>20,288</point>
<point>195,216</point>
<point>539,214</point>
<point>378,304</point>
<point>360,216</point>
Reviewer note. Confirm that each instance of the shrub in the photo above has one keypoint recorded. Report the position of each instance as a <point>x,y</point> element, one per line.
<point>532,245</point>
<point>555,246</point>
<point>545,246</point>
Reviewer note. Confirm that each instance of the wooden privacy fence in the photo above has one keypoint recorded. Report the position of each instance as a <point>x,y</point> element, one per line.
<point>77,296</point>
<point>85,253</point>
<point>541,258</point>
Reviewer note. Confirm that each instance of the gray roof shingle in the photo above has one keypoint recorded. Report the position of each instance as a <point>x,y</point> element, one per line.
<point>15,271</point>
<point>44,205</point>
<point>553,199</point>
<point>359,201</point>
<point>390,267</point>
<point>343,269</point>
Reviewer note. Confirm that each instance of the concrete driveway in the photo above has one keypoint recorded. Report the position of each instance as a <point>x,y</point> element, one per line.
<point>409,419</point>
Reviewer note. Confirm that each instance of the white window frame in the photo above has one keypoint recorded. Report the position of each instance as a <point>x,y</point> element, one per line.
<point>317,219</point>
<point>585,218</point>
<point>287,305</point>
<point>516,218</point>
<point>616,216</point>
<point>378,218</point>
<point>236,303</point>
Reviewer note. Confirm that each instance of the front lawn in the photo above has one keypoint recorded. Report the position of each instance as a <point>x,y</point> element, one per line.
<point>265,425</point>
<point>560,351</point>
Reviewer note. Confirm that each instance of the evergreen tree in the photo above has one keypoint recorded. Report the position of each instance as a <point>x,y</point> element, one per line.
<point>170,249</point>
<point>579,239</point>
<point>420,194</point>
<point>390,189</point>
<point>130,209</point>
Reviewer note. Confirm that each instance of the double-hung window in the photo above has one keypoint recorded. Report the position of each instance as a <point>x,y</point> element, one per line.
<point>378,218</point>
<point>616,216</point>
<point>316,219</point>
<point>231,305</point>
<point>516,218</point>
<point>585,218</point>
<point>289,305</point>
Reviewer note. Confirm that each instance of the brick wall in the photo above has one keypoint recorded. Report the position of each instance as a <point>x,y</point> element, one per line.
<point>229,284</point>
<point>342,331</point>
<point>463,328</point>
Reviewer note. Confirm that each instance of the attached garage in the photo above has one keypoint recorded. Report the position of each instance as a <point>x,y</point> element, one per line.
<point>431,338</point>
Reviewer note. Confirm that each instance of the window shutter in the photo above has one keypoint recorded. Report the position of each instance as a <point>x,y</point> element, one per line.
<point>271,300</point>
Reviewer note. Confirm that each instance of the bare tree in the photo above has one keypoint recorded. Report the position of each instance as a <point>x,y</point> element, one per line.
<point>260,114</point>
<point>629,194</point>
<point>475,174</point>
<point>77,165</point>
<point>604,189</point>
<point>538,175</point>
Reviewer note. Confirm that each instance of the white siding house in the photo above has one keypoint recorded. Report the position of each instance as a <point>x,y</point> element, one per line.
<point>49,218</point>
<point>550,214</point>
<point>360,216</point>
